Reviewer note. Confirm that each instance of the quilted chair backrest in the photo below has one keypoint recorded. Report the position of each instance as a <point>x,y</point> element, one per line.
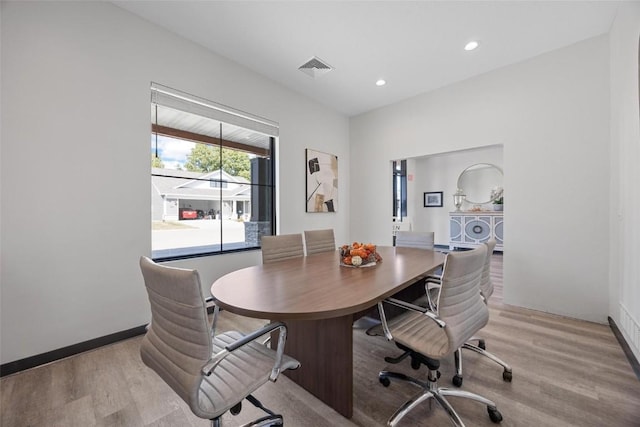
<point>178,341</point>
<point>486,285</point>
<point>282,247</point>
<point>415,239</point>
<point>460,304</point>
<point>319,241</point>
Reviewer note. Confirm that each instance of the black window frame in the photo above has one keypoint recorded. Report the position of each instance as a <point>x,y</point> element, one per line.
<point>162,255</point>
<point>401,173</point>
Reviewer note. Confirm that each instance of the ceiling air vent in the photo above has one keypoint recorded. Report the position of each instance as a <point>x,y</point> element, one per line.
<point>315,67</point>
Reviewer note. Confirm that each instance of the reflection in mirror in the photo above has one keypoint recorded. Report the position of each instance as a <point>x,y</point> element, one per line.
<point>479,181</point>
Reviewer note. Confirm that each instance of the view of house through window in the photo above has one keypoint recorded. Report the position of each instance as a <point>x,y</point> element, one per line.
<point>211,181</point>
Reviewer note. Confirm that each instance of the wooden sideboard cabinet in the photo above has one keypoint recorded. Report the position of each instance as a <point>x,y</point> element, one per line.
<point>469,229</point>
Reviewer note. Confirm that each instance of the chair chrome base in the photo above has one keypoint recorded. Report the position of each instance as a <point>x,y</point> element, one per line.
<point>507,374</point>
<point>271,419</point>
<point>266,421</point>
<point>432,391</point>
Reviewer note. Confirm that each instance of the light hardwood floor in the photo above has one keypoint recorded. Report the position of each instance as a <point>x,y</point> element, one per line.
<point>565,373</point>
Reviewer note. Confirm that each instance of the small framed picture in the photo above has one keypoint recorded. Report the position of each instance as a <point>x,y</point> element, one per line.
<point>433,199</point>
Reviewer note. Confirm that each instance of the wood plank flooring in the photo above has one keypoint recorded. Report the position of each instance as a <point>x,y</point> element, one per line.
<point>565,373</point>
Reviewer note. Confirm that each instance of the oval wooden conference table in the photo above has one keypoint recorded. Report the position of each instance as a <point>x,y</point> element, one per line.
<point>319,300</point>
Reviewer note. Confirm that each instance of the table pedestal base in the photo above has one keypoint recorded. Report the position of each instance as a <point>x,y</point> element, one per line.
<point>324,349</point>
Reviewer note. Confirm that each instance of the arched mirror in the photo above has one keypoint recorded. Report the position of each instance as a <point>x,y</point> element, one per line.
<point>479,183</point>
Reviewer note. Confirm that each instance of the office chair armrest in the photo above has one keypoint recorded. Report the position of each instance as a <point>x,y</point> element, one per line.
<point>434,279</point>
<point>432,282</point>
<point>254,335</point>
<point>208,368</point>
<point>407,306</point>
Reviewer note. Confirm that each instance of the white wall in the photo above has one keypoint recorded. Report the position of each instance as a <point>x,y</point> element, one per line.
<point>551,115</point>
<point>624,278</point>
<point>440,172</point>
<point>75,138</point>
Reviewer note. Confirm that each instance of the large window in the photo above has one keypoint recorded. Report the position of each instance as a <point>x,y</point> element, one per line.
<point>212,186</point>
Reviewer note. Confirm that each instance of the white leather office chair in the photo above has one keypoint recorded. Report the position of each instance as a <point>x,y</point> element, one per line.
<point>415,239</point>
<point>486,290</point>
<point>317,241</point>
<point>211,373</point>
<point>419,240</point>
<point>281,247</point>
<point>431,337</point>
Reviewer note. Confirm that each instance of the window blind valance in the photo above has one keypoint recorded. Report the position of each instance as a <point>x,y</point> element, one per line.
<point>178,100</point>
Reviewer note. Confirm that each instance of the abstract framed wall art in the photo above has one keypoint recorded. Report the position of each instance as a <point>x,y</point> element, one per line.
<point>321,181</point>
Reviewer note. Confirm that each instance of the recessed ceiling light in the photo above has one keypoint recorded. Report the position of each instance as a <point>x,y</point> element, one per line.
<point>381,82</point>
<point>471,45</point>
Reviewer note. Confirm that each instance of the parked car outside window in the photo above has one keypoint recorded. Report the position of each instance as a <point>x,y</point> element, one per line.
<point>188,213</point>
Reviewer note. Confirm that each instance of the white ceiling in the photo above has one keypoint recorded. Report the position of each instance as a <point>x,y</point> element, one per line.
<point>415,46</point>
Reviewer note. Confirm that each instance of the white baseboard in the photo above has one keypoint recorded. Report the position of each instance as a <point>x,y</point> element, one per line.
<point>630,328</point>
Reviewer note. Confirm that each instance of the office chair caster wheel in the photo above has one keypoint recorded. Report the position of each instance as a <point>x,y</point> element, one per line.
<point>385,381</point>
<point>507,376</point>
<point>482,345</point>
<point>494,414</point>
<point>457,380</point>
<point>235,410</point>
<point>415,364</point>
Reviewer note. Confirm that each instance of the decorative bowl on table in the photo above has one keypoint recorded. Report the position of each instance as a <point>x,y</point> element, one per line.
<point>359,255</point>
